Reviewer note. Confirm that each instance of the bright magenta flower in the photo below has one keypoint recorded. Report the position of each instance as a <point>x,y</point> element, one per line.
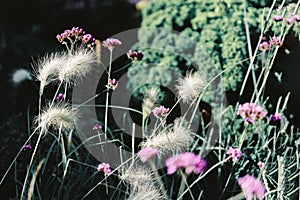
<point>235,153</point>
<point>251,187</point>
<point>104,167</point>
<point>190,161</point>
<point>147,153</point>
<point>251,112</point>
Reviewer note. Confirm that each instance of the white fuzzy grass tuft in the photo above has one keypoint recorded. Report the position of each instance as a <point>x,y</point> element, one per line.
<point>137,175</point>
<point>21,75</point>
<point>176,138</point>
<point>145,191</point>
<point>77,65</point>
<point>190,87</point>
<point>46,69</point>
<point>142,184</point>
<point>58,116</point>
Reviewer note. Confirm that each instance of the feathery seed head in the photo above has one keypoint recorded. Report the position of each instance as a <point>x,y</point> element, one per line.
<point>190,87</point>
<point>46,69</point>
<point>77,64</point>
<point>176,138</point>
<point>60,115</point>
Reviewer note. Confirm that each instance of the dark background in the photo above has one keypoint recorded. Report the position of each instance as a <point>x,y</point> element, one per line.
<point>27,31</point>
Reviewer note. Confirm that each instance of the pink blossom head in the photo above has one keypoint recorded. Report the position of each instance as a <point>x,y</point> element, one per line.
<point>190,161</point>
<point>251,112</point>
<point>26,147</point>
<point>147,153</point>
<point>97,127</point>
<point>251,187</point>
<point>275,117</point>
<point>235,153</point>
<point>297,18</point>
<point>275,41</point>
<point>135,55</point>
<point>160,112</point>
<point>110,43</point>
<point>112,84</point>
<point>290,20</point>
<point>264,46</point>
<point>277,18</point>
<point>104,167</point>
<point>261,165</point>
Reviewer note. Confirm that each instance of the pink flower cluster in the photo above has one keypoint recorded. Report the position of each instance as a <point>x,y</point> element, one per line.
<point>267,45</point>
<point>251,187</point>
<point>135,55</point>
<point>110,43</point>
<point>188,160</point>
<point>112,84</point>
<point>291,18</point>
<point>104,167</point>
<point>147,153</point>
<point>75,34</point>
<point>251,112</point>
<point>160,112</point>
<point>235,153</point>
<point>275,117</point>
<point>97,127</point>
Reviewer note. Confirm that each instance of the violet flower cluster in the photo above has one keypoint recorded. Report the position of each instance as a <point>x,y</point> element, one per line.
<point>251,112</point>
<point>188,160</point>
<point>147,153</point>
<point>235,153</point>
<point>110,43</point>
<point>160,112</point>
<point>252,187</point>
<point>267,45</point>
<point>112,84</point>
<point>74,35</point>
<point>97,127</point>
<point>104,167</point>
<point>135,55</point>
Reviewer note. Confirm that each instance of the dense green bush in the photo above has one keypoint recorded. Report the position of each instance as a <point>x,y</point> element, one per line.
<point>218,27</point>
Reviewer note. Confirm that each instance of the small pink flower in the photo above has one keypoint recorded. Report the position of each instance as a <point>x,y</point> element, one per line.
<point>251,112</point>
<point>251,187</point>
<point>110,43</point>
<point>290,20</point>
<point>112,84</point>
<point>97,127</point>
<point>104,167</point>
<point>235,153</point>
<point>297,18</point>
<point>277,18</point>
<point>135,55</point>
<point>60,97</point>
<point>261,164</point>
<point>87,38</point>
<point>275,41</point>
<point>26,147</point>
<point>275,117</point>
<point>190,161</point>
<point>264,46</point>
<point>147,153</point>
<point>160,112</point>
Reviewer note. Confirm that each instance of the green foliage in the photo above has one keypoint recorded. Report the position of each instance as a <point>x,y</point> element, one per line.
<point>218,27</point>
